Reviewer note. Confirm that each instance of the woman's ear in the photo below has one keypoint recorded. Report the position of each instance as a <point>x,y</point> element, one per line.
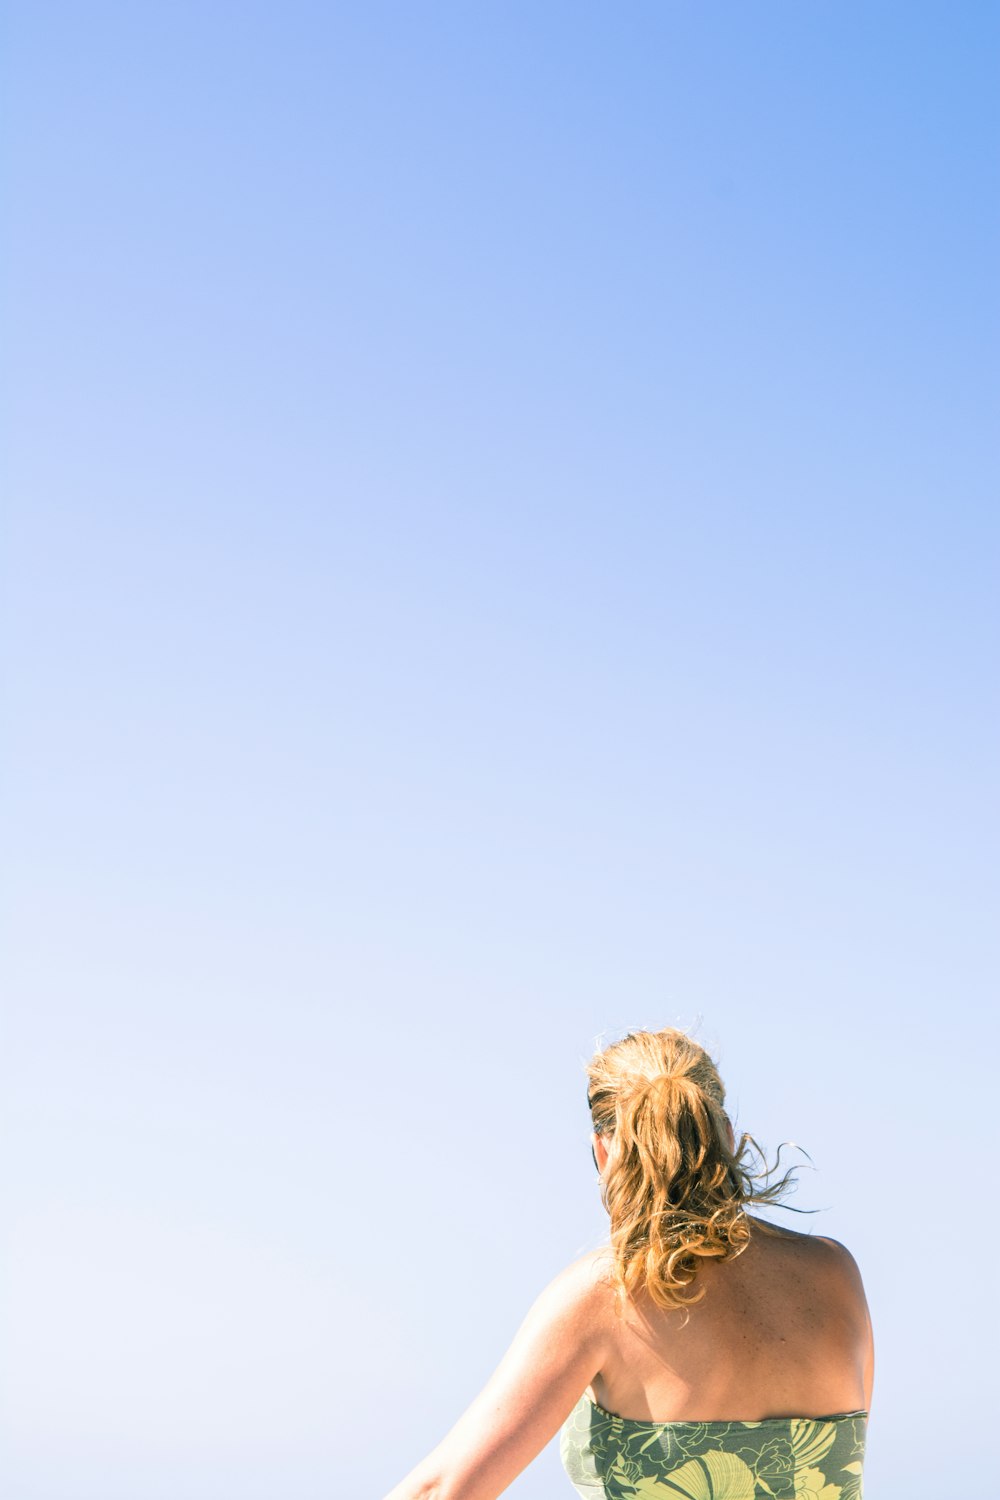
<point>599,1151</point>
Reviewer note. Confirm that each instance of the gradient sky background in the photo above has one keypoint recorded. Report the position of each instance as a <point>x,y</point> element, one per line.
<point>501,549</point>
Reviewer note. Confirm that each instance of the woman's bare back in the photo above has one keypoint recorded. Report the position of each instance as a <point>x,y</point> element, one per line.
<point>782,1330</point>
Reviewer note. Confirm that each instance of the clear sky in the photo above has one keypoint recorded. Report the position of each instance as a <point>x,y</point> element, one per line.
<point>500,548</point>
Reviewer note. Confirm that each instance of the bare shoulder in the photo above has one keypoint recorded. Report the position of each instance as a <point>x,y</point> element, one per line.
<point>582,1290</point>
<point>780,1232</point>
<point>840,1275</point>
<point>828,1264</point>
<point>827,1257</point>
<point>841,1261</point>
<point>586,1279</point>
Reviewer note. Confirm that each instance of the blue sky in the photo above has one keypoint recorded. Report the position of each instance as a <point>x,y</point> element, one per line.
<point>501,548</point>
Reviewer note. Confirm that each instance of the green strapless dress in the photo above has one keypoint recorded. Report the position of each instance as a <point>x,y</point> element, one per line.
<point>782,1458</point>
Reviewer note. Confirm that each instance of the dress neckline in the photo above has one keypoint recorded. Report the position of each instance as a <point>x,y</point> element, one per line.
<point>840,1416</point>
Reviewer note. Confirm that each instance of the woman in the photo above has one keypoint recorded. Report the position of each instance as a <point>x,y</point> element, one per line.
<point>704,1353</point>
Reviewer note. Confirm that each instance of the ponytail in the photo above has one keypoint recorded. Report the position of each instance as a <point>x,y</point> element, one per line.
<point>675,1191</point>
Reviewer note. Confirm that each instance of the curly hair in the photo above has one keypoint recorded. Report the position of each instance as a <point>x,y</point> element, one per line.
<point>675,1191</point>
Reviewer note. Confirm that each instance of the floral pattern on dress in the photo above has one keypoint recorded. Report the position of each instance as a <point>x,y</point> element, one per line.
<point>785,1458</point>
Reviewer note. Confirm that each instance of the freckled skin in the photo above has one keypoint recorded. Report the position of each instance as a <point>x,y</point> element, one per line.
<point>802,1342</point>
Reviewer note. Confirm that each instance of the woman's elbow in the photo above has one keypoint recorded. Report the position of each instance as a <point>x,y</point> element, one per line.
<point>420,1486</point>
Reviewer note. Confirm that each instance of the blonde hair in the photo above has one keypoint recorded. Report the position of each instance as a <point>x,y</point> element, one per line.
<point>675,1191</point>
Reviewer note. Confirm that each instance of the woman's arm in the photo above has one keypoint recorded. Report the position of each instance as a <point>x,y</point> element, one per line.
<point>556,1352</point>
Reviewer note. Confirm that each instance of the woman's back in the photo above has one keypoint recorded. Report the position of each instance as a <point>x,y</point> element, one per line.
<point>760,1389</point>
<point>782,1330</point>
